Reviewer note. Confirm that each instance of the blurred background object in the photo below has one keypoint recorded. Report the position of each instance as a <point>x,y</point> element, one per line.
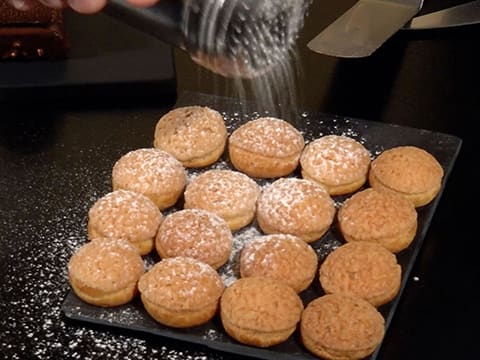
<point>106,60</point>
<point>37,33</point>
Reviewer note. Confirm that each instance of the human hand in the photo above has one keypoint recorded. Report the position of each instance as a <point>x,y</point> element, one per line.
<point>80,6</point>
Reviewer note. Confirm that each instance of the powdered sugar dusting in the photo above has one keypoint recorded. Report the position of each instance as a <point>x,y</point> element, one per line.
<point>147,168</point>
<point>335,159</point>
<point>107,265</point>
<point>50,192</point>
<point>326,247</point>
<point>274,242</point>
<point>222,192</point>
<point>290,203</point>
<point>268,136</point>
<point>125,214</point>
<point>190,131</point>
<point>181,282</point>
<point>195,233</point>
<point>231,270</point>
<point>62,181</point>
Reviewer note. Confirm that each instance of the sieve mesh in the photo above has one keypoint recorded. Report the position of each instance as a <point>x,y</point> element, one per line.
<point>242,38</point>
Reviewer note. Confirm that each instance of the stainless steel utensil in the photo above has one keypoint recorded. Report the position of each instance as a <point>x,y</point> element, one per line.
<point>235,38</point>
<point>364,27</point>
<point>460,15</point>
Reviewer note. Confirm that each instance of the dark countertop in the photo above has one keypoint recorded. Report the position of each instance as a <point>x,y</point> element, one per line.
<point>55,155</point>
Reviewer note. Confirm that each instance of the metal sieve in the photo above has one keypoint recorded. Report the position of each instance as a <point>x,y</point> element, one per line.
<point>234,38</point>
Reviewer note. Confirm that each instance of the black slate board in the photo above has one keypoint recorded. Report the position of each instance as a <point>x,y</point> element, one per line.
<point>376,137</point>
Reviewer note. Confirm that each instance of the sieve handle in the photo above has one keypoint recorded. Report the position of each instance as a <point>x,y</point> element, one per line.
<point>162,20</point>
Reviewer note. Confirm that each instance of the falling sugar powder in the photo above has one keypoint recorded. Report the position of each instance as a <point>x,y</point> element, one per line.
<point>256,37</point>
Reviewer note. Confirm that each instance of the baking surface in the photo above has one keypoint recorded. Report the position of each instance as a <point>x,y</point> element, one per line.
<point>375,136</point>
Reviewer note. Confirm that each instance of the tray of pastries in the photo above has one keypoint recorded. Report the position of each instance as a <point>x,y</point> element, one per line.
<point>261,236</point>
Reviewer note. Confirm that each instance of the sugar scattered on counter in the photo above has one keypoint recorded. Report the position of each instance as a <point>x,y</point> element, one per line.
<point>326,247</point>
<point>230,271</point>
<point>34,265</point>
<point>35,281</point>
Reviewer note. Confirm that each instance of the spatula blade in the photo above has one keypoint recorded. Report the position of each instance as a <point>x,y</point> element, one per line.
<point>363,28</point>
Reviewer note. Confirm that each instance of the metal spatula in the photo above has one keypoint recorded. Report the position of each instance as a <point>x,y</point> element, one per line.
<point>364,27</point>
<point>459,15</point>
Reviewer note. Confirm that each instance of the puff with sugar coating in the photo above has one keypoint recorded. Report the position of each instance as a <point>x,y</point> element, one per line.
<point>266,148</point>
<point>339,163</point>
<point>105,272</point>
<point>230,194</point>
<point>126,215</point>
<point>151,172</point>
<point>194,135</point>
<point>195,233</point>
<point>181,292</point>
<point>295,206</point>
<point>280,256</point>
